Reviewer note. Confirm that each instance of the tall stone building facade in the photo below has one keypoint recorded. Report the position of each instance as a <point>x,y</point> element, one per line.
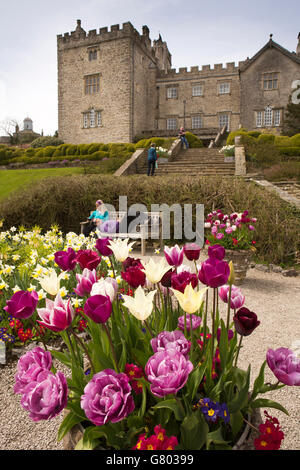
<point>117,84</point>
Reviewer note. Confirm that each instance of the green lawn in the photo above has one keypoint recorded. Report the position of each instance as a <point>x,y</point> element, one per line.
<point>10,180</point>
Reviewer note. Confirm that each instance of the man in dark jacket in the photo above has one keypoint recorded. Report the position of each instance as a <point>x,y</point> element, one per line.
<point>152,157</point>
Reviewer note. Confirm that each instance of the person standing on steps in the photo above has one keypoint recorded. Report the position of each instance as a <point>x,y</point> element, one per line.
<point>183,138</point>
<point>152,158</point>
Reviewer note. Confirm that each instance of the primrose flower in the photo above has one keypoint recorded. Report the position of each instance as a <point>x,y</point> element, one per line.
<point>155,270</point>
<point>191,300</point>
<point>141,305</point>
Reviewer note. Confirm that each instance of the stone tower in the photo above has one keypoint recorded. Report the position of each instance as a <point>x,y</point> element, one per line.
<point>106,83</point>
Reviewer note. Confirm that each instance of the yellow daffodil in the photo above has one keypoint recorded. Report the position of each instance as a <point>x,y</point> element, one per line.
<point>141,305</point>
<point>51,282</point>
<point>120,248</point>
<point>190,301</point>
<point>155,270</point>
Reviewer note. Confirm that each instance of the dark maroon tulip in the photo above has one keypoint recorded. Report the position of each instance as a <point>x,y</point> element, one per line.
<point>216,251</point>
<point>22,304</point>
<point>88,259</point>
<point>166,280</point>
<point>192,251</point>
<point>134,276</point>
<point>129,262</point>
<point>214,272</point>
<point>102,245</point>
<point>66,260</point>
<point>181,280</point>
<point>245,321</point>
<point>98,308</point>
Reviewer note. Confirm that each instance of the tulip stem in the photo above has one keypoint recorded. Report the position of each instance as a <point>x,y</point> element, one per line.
<point>111,347</point>
<point>228,307</point>
<point>85,350</point>
<point>238,351</point>
<point>213,322</point>
<point>205,321</point>
<point>148,328</point>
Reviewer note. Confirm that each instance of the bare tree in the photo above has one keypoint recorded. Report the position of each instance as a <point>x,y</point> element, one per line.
<point>11,127</point>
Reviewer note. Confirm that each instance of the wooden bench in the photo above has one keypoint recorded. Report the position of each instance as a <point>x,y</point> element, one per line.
<point>151,229</point>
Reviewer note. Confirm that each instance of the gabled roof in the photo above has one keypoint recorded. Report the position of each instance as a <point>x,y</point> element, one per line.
<point>268,45</point>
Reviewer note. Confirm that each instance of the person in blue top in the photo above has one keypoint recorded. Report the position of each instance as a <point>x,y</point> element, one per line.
<point>152,157</point>
<point>99,215</point>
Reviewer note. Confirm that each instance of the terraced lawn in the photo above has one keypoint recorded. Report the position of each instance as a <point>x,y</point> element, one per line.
<point>11,180</point>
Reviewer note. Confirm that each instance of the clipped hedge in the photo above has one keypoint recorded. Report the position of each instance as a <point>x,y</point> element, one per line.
<point>46,141</point>
<point>68,200</point>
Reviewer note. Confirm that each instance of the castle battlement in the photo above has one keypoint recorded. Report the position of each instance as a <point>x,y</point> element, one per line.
<point>80,37</point>
<point>184,72</point>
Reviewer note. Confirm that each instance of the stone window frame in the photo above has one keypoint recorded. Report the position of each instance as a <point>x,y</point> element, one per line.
<point>222,83</point>
<point>268,78</point>
<point>92,88</point>
<point>196,85</point>
<point>224,113</point>
<point>272,119</point>
<point>87,118</point>
<point>197,117</point>
<point>174,119</point>
<point>172,87</point>
<point>92,53</point>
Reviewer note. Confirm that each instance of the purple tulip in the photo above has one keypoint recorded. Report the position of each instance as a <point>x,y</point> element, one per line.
<point>174,255</point>
<point>284,365</point>
<point>98,308</point>
<point>107,398</point>
<point>30,366</point>
<point>245,321</point>
<point>102,245</point>
<point>216,251</point>
<point>196,322</point>
<point>214,272</point>
<point>168,372</point>
<point>66,260</point>
<point>192,251</point>
<point>57,315</point>
<point>171,339</point>
<point>85,282</point>
<point>22,304</point>
<point>237,298</point>
<point>46,397</point>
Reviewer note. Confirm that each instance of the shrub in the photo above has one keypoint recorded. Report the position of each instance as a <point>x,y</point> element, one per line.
<point>99,155</point>
<point>68,200</point>
<point>289,151</point>
<point>71,150</point>
<point>233,134</point>
<point>282,141</point>
<point>269,138</point>
<point>83,149</point>
<point>46,141</point>
<point>49,151</point>
<point>93,148</point>
<point>30,152</point>
<point>295,140</point>
<point>254,134</point>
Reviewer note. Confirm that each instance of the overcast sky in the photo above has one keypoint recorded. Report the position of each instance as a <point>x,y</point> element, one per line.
<point>197,33</point>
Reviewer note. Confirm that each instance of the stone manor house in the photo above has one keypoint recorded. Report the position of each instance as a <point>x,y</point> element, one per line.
<point>116,85</point>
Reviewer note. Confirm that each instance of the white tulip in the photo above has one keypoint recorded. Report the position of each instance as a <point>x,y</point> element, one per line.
<point>141,305</point>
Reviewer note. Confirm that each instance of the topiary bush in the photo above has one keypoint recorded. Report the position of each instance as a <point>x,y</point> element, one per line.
<point>46,141</point>
<point>269,138</point>
<point>295,140</point>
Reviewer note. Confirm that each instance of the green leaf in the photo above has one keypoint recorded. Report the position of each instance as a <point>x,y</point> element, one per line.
<point>67,424</point>
<point>142,409</point>
<point>223,345</point>
<point>194,380</point>
<point>215,437</point>
<point>236,422</point>
<point>241,396</point>
<point>194,430</point>
<point>173,405</point>
<point>259,381</point>
<point>64,358</point>
<point>265,403</point>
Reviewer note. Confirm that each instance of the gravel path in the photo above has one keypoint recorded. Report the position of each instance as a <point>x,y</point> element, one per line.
<point>273,297</point>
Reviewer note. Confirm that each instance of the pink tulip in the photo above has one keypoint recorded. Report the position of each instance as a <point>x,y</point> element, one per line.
<point>57,315</point>
<point>22,304</point>
<point>284,365</point>
<point>237,298</point>
<point>85,282</point>
<point>174,255</point>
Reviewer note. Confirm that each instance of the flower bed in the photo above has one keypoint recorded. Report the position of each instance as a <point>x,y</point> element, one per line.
<point>159,367</point>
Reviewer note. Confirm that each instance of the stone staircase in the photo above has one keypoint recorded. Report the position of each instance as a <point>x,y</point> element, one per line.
<point>196,162</point>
